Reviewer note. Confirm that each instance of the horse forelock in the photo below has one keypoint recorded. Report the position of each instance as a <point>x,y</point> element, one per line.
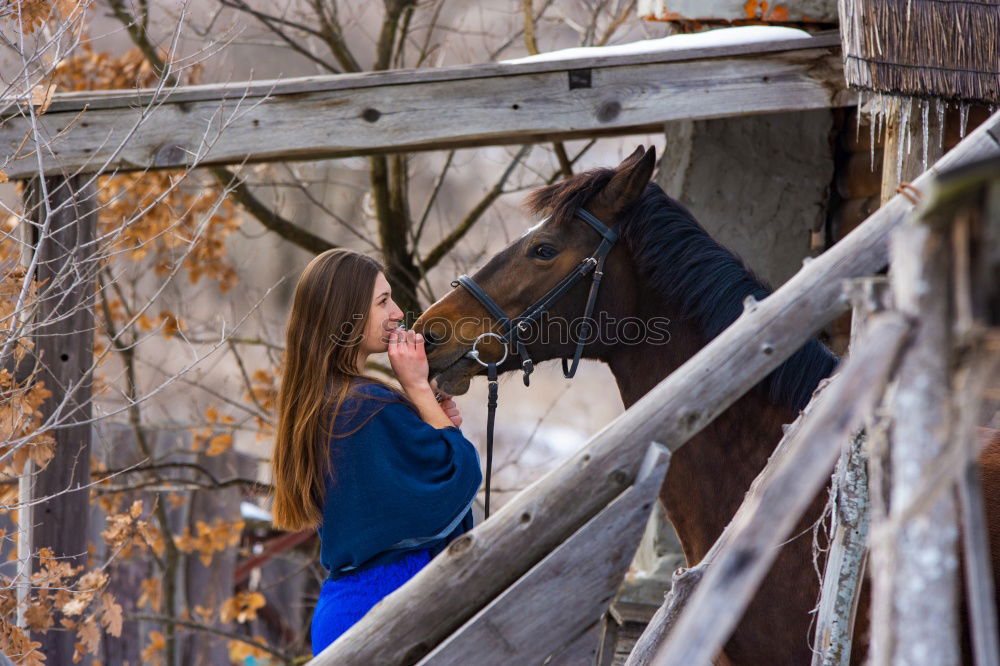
<point>561,200</point>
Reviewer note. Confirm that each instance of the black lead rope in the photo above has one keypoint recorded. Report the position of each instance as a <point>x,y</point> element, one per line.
<point>491,405</point>
<point>511,330</point>
<point>491,415</point>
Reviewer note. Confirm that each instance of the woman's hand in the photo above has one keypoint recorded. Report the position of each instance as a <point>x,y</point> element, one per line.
<point>451,411</point>
<point>448,405</point>
<point>408,360</point>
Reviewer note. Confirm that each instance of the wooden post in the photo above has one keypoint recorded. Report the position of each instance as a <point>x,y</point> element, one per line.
<point>64,241</point>
<point>845,559</point>
<point>975,236</point>
<point>914,547</point>
<point>407,624</point>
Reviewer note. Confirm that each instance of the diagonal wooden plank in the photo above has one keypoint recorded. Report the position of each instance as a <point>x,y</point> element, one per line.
<point>453,108</point>
<point>565,593</point>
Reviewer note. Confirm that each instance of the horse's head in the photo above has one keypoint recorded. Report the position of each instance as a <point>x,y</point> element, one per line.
<point>529,268</point>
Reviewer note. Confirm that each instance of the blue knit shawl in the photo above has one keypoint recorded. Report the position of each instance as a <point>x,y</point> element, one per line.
<point>398,484</point>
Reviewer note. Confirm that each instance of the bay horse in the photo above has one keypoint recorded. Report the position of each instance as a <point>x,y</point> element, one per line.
<point>664,265</point>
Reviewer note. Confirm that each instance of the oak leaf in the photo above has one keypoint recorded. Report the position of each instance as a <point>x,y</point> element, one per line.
<point>242,608</point>
<point>219,444</point>
<point>111,615</point>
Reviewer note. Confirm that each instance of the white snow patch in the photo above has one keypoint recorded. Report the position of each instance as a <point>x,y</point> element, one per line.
<point>251,511</point>
<point>722,37</point>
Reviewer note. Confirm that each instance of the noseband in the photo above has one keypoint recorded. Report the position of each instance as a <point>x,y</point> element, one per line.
<point>512,331</point>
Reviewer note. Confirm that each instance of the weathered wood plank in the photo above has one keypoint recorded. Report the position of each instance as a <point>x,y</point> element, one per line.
<point>477,567</point>
<point>74,102</point>
<point>567,592</point>
<point>506,104</point>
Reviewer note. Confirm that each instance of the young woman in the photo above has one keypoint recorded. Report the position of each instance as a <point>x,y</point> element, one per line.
<point>385,476</point>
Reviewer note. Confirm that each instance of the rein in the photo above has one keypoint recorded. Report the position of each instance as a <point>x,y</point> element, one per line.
<point>512,330</point>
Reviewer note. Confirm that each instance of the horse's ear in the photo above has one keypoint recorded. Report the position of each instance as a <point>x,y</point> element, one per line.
<point>633,158</point>
<point>631,179</point>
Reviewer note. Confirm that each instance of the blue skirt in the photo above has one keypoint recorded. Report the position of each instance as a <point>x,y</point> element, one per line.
<point>344,601</point>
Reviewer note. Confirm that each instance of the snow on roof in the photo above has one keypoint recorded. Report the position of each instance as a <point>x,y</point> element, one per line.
<point>699,40</point>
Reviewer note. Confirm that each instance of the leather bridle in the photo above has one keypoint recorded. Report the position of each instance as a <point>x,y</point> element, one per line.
<point>512,330</point>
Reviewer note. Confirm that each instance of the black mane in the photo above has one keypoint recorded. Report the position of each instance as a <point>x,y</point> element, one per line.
<point>677,258</point>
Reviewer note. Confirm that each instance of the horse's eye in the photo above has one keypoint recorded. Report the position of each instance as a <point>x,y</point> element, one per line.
<point>545,252</point>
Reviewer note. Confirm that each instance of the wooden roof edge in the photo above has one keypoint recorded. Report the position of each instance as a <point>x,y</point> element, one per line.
<point>72,102</point>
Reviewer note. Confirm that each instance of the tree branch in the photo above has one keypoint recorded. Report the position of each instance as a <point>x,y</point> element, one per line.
<point>387,36</point>
<point>616,23</point>
<point>333,35</point>
<point>270,22</point>
<point>438,182</point>
<point>238,189</point>
<point>435,256</point>
<point>388,181</point>
<point>513,38</point>
<point>565,166</point>
<point>293,233</point>
<point>166,619</point>
<point>137,32</point>
<point>529,28</point>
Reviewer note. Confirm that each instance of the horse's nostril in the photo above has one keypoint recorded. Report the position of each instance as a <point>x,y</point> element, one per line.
<point>430,340</point>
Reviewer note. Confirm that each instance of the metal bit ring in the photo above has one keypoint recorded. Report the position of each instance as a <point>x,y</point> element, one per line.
<point>474,353</point>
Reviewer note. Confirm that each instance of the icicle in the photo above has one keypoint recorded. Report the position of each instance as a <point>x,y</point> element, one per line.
<point>906,125</point>
<point>857,116</point>
<point>903,133</point>
<point>963,118</point>
<point>940,105</point>
<point>885,109</point>
<point>872,119</point>
<point>925,108</point>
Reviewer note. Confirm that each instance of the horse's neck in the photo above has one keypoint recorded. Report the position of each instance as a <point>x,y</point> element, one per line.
<point>710,475</point>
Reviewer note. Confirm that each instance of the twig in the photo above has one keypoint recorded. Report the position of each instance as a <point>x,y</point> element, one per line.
<point>174,621</point>
<point>448,242</point>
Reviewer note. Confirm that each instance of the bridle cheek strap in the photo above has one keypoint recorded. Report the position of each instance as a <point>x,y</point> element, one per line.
<point>511,330</point>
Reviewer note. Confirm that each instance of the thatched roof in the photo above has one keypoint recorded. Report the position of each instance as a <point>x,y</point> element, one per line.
<point>946,49</point>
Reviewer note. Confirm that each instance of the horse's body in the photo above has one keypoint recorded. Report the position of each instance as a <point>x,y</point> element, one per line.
<point>666,266</point>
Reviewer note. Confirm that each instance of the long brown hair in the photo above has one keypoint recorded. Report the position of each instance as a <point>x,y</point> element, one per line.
<point>322,341</point>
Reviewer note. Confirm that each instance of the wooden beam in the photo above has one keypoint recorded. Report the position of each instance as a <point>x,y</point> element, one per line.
<point>478,566</point>
<point>64,349</point>
<point>567,592</point>
<point>443,108</point>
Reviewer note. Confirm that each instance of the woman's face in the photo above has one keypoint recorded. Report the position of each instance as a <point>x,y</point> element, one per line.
<point>383,316</point>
